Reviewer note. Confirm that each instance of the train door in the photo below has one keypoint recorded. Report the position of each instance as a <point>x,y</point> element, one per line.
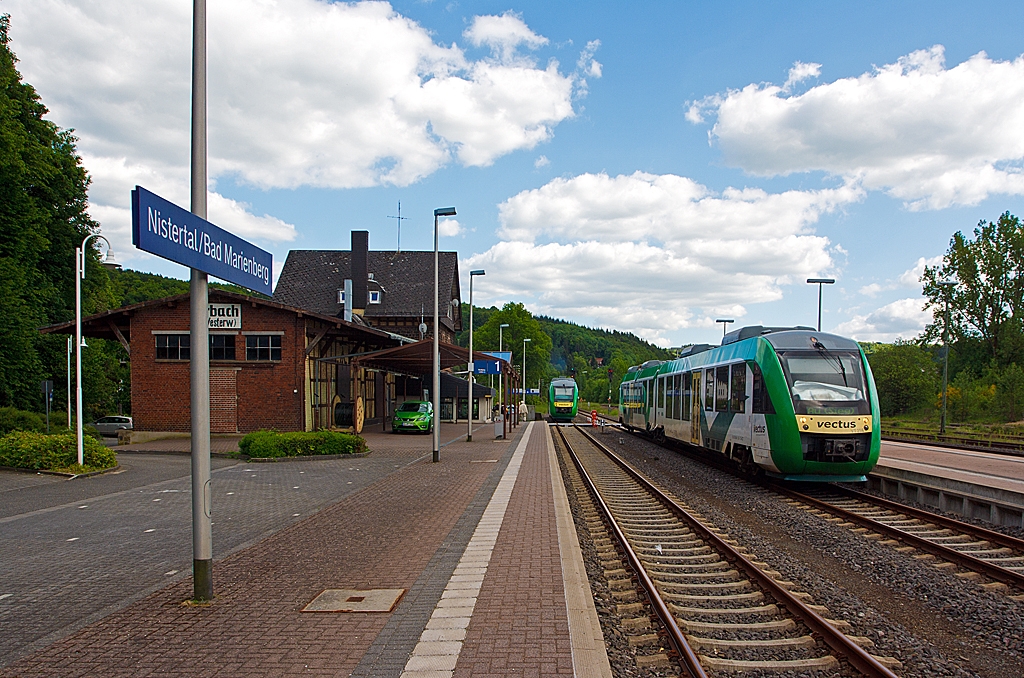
<point>697,388</point>
<point>760,405</point>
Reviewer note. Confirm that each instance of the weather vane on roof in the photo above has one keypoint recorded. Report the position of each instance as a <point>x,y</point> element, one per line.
<point>399,218</point>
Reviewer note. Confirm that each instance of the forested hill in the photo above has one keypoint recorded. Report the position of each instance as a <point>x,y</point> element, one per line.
<point>573,346</point>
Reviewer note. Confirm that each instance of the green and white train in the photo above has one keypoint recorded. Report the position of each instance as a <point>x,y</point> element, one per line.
<point>795,403</point>
<point>563,399</point>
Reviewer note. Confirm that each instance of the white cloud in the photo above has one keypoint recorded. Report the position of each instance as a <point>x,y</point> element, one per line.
<point>872,290</point>
<point>912,277</point>
<point>586,64</point>
<point>799,73</point>
<point>654,253</point>
<point>903,318</point>
<point>542,161</point>
<point>503,34</point>
<point>928,135</point>
<point>449,228</point>
<point>301,93</point>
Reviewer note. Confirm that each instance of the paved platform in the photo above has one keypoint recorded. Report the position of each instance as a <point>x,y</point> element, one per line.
<point>980,485</point>
<point>482,542</point>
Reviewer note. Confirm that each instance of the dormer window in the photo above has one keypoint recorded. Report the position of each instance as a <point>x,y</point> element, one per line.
<point>374,296</point>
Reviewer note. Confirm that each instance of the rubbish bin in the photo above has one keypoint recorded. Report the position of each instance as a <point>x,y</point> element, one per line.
<point>499,426</point>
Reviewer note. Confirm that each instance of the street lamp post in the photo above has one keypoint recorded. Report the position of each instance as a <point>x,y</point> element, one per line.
<point>472,364</point>
<point>524,372</point>
<point>501,383</point>
<point>820,282</point>
<point>946,286</point>
<point>725,324</point>
<point>439,212</point>
<point>79,344</point>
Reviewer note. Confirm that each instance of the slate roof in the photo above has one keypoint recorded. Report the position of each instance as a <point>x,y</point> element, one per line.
<point>311,279</point>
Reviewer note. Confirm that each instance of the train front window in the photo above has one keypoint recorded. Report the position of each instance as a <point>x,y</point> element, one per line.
<point>825,382</point>
<point>563,394</point>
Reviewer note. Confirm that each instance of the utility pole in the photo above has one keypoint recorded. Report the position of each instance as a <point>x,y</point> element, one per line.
<point>946,285</point>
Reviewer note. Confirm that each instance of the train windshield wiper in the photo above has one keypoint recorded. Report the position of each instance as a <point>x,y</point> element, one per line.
<point>832,359</point>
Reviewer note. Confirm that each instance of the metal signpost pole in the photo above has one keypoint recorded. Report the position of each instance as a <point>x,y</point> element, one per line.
<point>439,212</point>
<point>69,383</point>
<point>202,531</point>
<point>472,363</point>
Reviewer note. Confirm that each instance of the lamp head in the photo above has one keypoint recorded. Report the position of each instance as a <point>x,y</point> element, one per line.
<point>821,281</point>
<point>444,212</point>
<point>503,325</point>
<point>480,272</point>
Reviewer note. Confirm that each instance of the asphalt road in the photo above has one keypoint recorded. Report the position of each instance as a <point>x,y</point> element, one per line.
<point>72,551</point>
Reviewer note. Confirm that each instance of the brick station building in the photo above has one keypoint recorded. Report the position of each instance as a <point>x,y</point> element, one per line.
<point>267,367</point>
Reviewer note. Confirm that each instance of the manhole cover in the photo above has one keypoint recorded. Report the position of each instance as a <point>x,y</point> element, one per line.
<point>353,600</point>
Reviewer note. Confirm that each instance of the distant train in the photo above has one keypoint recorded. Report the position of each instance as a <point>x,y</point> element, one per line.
<point>563,399</point>
<point>792,402</point>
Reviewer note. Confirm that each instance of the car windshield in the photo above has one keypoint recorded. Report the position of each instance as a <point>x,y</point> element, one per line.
<point>563,393</point>
<point>413,407</point>
<point>826,382</point>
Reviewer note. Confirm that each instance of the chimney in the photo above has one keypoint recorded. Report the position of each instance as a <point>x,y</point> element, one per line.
<point>360,247</point>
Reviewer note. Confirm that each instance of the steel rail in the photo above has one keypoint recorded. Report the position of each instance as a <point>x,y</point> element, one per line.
<point>944,521</point>
<point>960,558</point>
<point>686,654</point>
<point>858,657</point>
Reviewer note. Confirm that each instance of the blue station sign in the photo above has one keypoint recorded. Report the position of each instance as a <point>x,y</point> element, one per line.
<point>162,228</point>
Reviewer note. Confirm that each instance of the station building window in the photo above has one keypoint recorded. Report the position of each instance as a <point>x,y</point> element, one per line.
<point>263,347</point>
<point>173,347</point>
<point>222,347</point>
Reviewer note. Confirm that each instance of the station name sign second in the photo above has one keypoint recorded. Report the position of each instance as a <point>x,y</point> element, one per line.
<point>162,228</point>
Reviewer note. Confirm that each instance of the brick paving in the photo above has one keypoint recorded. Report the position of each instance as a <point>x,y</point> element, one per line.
<point>520,626</point>
<point>384,535</point>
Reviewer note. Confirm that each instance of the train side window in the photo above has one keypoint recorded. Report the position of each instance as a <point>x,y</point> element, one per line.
<point>722,389</point>
<point>661,392</point>
<point>677,400</point>
<point>737,403</point>
<point>762,401</point>
<point>709,390</point>
<point>687,395</point>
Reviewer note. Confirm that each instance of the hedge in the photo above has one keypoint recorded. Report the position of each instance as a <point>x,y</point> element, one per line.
<point>264,444</point>
<point>12,419</point>
<point>38,451</point>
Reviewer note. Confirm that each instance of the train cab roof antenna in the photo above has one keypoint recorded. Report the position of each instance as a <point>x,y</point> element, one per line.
<point>399,219</point>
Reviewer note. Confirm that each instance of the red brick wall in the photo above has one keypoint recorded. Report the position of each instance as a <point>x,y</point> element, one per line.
<point>269,394</point>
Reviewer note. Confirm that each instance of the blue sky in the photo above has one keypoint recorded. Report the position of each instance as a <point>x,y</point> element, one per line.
<point>647,168</point>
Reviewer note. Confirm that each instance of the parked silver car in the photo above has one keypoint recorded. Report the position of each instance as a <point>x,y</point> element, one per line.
<point>109,426</point>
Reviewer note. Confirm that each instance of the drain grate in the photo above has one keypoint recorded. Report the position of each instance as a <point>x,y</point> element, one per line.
<point>354,600</point>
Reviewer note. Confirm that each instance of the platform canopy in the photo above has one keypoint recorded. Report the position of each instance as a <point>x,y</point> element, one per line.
<point>417,358</point>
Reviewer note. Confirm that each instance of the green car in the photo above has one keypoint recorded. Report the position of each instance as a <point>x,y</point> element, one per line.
<point>413,415</point>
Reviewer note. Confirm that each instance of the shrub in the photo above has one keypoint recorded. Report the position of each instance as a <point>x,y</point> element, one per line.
<point>12,419</point>
<point>264,444</point>
<point>38,451</point>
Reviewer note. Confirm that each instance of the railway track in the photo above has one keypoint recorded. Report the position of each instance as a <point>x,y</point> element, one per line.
<point>992,559</point>
<point>721,610</point>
